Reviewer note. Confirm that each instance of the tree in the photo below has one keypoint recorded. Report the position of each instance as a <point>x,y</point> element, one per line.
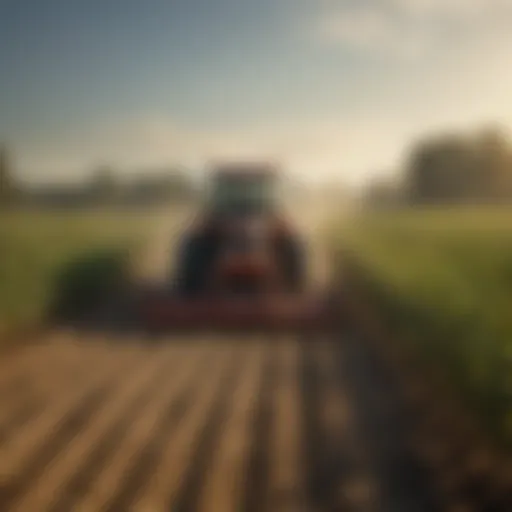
<point>383,193</point>
<point>457,168</point>
<point>104,184</point>
<point>163,186</point>
<point>496,163</point>
<point>7,187</point>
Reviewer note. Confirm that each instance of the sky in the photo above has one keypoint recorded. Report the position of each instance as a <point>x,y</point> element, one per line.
<point>333,89</point>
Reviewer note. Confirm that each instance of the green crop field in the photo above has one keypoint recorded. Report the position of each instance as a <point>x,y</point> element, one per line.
<point>443,280</point>
<point>35,246</point>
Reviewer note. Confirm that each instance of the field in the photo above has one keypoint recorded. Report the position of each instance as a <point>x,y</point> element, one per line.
<point>35,246</point>
<point>443,280</point>
<point>217,423</point>
<point>211,423</point>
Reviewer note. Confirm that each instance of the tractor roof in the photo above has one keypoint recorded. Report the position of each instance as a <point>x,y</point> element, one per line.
<point>245,170</point>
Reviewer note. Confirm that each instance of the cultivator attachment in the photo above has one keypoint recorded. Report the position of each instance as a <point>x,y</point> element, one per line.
<point>165,313</point>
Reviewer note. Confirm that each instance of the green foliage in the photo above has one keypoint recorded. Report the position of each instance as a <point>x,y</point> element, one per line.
<point>85,282</point>
<point>7,187</point>
<point>444,278</point>
<point>35,248</point>
<point>104,185</point>
<point>460,168</point>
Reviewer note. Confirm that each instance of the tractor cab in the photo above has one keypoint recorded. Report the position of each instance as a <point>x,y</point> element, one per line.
<point>243,190</point>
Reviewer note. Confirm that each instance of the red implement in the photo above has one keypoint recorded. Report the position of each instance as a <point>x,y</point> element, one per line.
<point>226,313</point>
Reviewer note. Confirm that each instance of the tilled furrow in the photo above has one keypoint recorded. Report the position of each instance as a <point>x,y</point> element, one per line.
<point>24,411</point>
<point>223,487</point>
<point>18,372</point>
<point>45,490</point>
<point>111,477</point>
<point>258,468</point>
<point>401,482</point>
<point>240,425</point>
<point>139,471</point>
<point>80,484</point>
<point>16,364</point>
<point>33,435</point>
<point>32,389</point>
<point>286,478</point>
<point>176,480</point>
<point>348,482</point>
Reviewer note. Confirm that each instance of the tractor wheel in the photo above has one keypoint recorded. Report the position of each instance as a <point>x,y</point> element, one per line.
<point>292,258</point>
<point>195,264</point>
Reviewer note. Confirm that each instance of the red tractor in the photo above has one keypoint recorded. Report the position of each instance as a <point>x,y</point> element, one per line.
<point>242,265</point>
<point>241,245</point>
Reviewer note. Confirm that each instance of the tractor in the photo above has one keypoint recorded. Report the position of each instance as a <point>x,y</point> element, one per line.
<point>241,264</point>
<point>242,245</point>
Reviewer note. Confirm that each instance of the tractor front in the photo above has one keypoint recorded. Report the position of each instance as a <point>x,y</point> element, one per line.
<point>242,265</point>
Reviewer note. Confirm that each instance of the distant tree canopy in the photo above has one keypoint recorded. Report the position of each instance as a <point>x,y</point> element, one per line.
<point>383,193</point>
<point>104,184</point>
<point>170,186</point>
<point>460,169</point>
<point>7,185</point>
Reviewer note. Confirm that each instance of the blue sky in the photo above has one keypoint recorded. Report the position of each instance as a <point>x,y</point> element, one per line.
<point>330,87</point>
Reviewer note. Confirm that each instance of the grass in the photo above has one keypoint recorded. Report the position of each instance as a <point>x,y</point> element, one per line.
<point>443,278</point>
<point>35,247</point>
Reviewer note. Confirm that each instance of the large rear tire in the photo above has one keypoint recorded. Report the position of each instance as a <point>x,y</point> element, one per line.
<point>195,265</point>
<point>292,257</point>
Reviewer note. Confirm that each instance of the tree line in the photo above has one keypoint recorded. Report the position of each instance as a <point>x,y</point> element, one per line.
<point>103,187</point>
<point>451,168</point>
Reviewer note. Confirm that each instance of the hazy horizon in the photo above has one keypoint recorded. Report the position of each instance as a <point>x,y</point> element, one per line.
<point>332,89</point>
